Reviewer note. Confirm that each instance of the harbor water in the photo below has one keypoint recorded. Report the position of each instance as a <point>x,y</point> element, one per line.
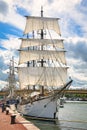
<point>72,117</point>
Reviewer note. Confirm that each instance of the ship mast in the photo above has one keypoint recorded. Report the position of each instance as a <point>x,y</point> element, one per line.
<point>28,63</point>
<point>11,78</point>
<point>42,61</point>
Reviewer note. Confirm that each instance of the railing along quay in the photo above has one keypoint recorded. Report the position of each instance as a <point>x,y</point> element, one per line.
<point>21,92</point>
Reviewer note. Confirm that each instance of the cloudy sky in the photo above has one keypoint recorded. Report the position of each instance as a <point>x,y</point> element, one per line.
<point>73,24</point>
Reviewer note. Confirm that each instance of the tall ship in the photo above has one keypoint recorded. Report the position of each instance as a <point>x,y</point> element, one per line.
<point>42,68</point>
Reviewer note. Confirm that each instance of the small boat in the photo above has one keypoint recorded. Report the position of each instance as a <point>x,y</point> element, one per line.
<point>61,102</point>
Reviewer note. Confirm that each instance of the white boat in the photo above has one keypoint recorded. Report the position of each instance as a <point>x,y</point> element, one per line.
<point>62,102</point>
<point>42,68</point>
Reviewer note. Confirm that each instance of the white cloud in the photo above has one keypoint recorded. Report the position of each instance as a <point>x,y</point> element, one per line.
<point>11,49</point>
<point>12,17</point>
<point>75,40</point>
<point>67,10</point>
<point>2,84</point>
<point>11,43</point>
<point>5,71</point>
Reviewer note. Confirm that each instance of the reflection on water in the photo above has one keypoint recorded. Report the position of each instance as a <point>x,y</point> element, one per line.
<point>72,117</point>
<point>44,125</point>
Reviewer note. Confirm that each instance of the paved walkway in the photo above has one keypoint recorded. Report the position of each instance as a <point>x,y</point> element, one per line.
<point>21,123</point>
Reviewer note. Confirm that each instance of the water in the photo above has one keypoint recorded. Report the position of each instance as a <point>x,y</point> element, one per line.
<point>72,117</point>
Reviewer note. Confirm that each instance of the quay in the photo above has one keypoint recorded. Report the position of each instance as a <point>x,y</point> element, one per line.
<point>20,122</point>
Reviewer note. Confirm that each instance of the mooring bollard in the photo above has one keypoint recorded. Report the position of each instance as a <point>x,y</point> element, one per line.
<point>7,112</point>
<point>3,107</point>
<point>13,119</point>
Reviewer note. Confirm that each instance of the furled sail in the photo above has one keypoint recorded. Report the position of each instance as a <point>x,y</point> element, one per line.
<point>39,42</point>
<point>38,23</point>
<point>46,76</point>
<point>42,54</point>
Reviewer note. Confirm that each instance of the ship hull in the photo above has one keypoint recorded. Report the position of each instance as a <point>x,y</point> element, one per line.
<point>41,109</point>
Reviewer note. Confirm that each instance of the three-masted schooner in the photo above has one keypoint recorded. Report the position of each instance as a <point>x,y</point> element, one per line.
<point>42,65</point>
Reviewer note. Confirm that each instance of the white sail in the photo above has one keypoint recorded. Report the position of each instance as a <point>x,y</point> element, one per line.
<point>42,54</point>
<point>38,23</point>
<point>42,76</point>
<point>39,42</point>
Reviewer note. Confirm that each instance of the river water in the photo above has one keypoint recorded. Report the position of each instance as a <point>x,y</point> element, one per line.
<point>72,117</point>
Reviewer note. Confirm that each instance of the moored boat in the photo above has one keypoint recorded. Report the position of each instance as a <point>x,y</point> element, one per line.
<point>42,66</point>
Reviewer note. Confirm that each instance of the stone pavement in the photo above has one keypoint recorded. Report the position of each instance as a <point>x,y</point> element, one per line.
<point>20,122</point>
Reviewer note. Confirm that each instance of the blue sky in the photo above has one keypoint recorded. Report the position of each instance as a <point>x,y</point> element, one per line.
<point>73,25</point>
